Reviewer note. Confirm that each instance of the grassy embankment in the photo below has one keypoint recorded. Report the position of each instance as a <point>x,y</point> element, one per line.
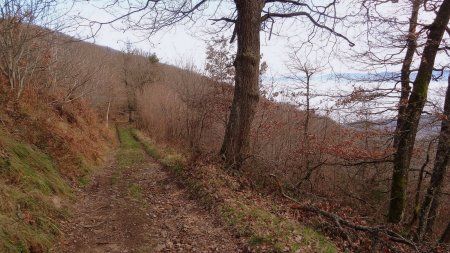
<point>31,190</point>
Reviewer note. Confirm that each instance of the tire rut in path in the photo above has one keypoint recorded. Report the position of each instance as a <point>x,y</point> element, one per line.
<point>141,209</point>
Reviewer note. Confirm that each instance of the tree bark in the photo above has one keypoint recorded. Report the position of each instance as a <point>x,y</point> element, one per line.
<point>417,199</point>
<point>445,238</point>
<point>431,202</point>
<point>408,130</point>
<point>236,142</point>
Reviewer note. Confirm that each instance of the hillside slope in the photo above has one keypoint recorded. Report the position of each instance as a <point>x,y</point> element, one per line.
<point>45,153</point>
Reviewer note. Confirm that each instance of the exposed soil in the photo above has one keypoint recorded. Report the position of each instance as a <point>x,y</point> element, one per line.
<point>142,209</point>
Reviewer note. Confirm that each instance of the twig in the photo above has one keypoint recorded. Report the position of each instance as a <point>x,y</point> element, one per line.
<point>93,226</point>
<point>102,243</point>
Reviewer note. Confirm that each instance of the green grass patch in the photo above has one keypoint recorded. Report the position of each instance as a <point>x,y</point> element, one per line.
<point>127,141</point>
<point>174,161</point>
<point>130,151</point>
<point>168,158</point>
<point>29,187</point>
<point>147,144</point>
<point>135,192</point>
<point>84,181</point>
<point>34,170</point>
<point>266,230</point>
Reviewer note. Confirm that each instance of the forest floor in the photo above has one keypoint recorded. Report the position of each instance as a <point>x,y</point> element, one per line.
<point>135,205</point>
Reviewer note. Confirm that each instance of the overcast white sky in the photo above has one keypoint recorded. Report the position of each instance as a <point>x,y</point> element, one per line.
<point>181,43</point>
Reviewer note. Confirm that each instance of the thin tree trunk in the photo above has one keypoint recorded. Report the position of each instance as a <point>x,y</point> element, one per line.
<point>431,203</point>
<point>130,112</point>
<point>107,113</point>
<point>306,128</point>
<point>408,130</point>
<point>307,161</point>
<point>419,186</point>
<point>308,111</point>
<point>411,46</point>
<point>236,142</point>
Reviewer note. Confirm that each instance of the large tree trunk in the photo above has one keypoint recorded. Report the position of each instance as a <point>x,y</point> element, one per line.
<point>235,145</point>
<point>408,130</point>
<point>411,46</point>
<point>431,203</point>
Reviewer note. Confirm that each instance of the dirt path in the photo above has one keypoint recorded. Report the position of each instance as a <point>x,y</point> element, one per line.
<point>141,209</point>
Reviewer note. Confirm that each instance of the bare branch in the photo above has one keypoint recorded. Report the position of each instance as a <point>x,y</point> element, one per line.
<point>269,15</point>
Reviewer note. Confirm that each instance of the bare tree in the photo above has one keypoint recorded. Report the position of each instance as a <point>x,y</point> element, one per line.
<point>411,47</point>
<point>220,56</point>
<point>236,142</point>
<point>408,129</point>
<point>219,61</point>
<point>397,39</point>
<point>71,74</point>
<point>25,27</point>
<point>302,72</point>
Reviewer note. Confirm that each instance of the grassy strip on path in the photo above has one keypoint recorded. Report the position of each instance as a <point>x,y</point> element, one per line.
<point>130,151</point>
